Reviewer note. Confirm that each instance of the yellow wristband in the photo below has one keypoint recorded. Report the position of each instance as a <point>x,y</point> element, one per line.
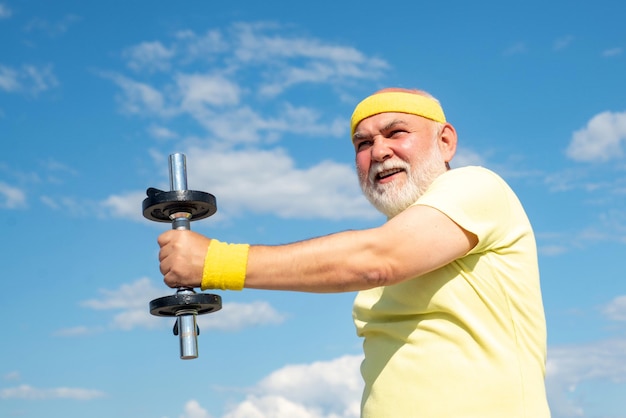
<point>225,266</point>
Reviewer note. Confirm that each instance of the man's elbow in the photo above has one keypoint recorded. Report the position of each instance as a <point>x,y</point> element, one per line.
<point>377,277</point>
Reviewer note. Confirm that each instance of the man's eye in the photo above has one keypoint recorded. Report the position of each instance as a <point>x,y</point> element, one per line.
<point>363,144</point>
<point>397,132</point>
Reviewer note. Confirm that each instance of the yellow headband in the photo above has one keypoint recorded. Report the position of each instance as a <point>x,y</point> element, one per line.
<point>401,102</point>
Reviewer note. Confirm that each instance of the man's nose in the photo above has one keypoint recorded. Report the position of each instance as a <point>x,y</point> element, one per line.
<point>381,150</point>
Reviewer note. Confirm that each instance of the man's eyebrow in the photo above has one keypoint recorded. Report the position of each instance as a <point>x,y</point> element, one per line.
<point>359,135</point>
<point>392,124</point>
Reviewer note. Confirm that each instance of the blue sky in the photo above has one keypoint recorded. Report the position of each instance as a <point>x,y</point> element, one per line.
<point>95,96</point>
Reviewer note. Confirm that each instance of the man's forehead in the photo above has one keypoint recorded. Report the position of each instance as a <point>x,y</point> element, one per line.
<point>384,120</point>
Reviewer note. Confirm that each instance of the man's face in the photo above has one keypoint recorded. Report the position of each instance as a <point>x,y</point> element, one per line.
<point>397,158</point>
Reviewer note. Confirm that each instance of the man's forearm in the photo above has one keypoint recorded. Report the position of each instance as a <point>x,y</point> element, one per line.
<point>340,262</point>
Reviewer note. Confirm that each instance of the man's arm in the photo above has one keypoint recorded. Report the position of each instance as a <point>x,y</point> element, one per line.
<point>418,240</point>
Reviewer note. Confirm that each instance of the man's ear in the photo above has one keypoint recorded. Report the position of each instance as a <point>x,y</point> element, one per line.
<point>447,142</point>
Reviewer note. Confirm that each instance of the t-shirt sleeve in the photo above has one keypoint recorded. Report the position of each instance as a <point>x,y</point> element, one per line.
<point>476,199</point>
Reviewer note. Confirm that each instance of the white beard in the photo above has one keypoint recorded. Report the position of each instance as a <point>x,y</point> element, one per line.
<point>392,198</point>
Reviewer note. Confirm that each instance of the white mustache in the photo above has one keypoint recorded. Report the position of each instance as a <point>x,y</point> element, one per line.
<point>388,165</point>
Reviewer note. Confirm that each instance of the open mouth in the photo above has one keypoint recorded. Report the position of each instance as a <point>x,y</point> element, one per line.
<point>388,173</point>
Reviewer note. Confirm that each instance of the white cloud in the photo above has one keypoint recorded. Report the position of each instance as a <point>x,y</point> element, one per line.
<point>161,132</point>
<point>9,79</point>
<point>608,227</point>
<point>73,206</point>
<point>5,11</point>
<point>255,42</point>
<point>271,406</point>
<point>198,90</point>
<point>11,197</point>
<point>267,181</point>
<point>40,78</point>
<point>245,124</point>
<point>612,52</point>
<point>516,49</point>
<point>29,79</point>
<point>76,331</point>
<point>337,383</point>
<point>552,250</point>
<point>32,393</point>
<point>601,140</point>
<point>199,95</point>
<point>150,56</point>
<point>12,376</point>
<point>465,157</point>
<point>236,316</point>
<point>240,125</point>
<point>568,179</point>
<point>194,410</point>
<point>304,120</point>
<point>323,389</point>
<point>297,60</point>
<point>139,98</point>
<point>563,42</point>
<point>200,47</point>
<point>131,301</point>
<point>278,61</point>
<point>53,165</point>
<point>262,181</point>
<point>570,367</point>
<point>616,309</point>
<point>52,28</point>
<point>126,205</point>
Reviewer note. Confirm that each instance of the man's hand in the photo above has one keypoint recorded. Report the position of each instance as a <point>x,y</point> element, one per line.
<point>182,257</point>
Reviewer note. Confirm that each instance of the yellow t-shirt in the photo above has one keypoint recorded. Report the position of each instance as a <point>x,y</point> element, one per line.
<point>469,339</point>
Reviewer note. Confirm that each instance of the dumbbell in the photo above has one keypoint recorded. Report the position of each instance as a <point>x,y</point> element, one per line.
<point>181,206</point>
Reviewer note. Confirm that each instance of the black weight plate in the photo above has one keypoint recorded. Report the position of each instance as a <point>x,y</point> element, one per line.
<point>202,303</point>
<point>159,205</point>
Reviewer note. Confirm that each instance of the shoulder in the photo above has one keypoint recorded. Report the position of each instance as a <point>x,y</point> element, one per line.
<point>475,198</point>
<point>469,173</point>
<point>466,183</point>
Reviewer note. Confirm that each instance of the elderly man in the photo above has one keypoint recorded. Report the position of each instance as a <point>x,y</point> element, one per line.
<point>449,302</point>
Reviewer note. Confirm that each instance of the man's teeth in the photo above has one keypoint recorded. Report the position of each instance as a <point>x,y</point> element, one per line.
<point>388,173</point>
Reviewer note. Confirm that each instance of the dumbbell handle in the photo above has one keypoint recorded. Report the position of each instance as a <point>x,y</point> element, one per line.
<point>186,319</point>
<point>178,182</point>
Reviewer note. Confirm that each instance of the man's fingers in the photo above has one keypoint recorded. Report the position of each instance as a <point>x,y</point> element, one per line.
<point>181,257</point>
<point>164,238</point>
